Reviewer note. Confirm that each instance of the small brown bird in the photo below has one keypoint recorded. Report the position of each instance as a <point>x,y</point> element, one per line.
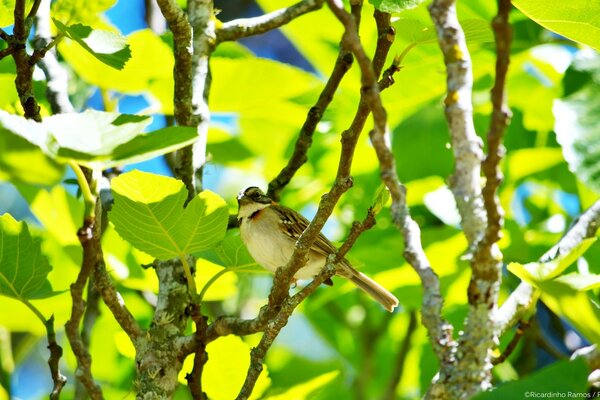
<point>270,232</point>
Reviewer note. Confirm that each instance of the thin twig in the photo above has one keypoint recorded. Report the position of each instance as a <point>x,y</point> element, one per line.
<point>498,123</point>
<point>512,345</point>
<point>6,52</point>
<point>4,36</point>
<point>257,355</point>
<point>279,293</point>
<point>34,9</point>
<point>244,27</point>
<point>299,156</point>
<point>58,379</point>
<point>40,53</point>
<point>304,141</point>
<point>400,361</point>
<point>84,359</point>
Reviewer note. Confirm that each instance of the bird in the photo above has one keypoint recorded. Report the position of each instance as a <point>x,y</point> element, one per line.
<point>270,232</point>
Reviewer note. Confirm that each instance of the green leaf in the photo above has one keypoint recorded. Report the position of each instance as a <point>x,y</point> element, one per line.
<point>575,306</point>
<point>148,212</point>
<point>395,6</point>
<point>535,273</point>
<point>108,47</point>
<point>520,165</point>
<point>23,162</point>
<point>304,390</point>
<point>580,282</point>
<point>382,195</point>
<point>23,267</point>
<point>110,139</point>
<point>150,70</point>
<point>232,253</point>
<point>563,377</point>
<point>573,19</point>
<point>577,127</point>
<point>83,11</point>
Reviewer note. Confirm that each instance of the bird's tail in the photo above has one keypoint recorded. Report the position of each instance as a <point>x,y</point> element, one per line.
<point>374,289</point>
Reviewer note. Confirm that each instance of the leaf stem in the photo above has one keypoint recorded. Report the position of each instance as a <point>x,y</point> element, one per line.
<point>188,275</point>
<point>210,282</point>
<point>34,309</point>
<point>88,197</point>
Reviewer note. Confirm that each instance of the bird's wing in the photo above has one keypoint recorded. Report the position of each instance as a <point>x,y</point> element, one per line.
<point>294,224</point>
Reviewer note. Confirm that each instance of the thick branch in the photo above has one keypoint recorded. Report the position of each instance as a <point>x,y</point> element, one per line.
<point>187,82</point>
<point>522,300</point>
<point>471,371</point>
<point>24,66</point>
<point>466,145</point>
<point>244,27</point>
<point>57,78</point>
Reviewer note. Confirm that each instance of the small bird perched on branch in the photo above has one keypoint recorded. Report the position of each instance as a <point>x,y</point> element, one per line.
<point>270,232</point>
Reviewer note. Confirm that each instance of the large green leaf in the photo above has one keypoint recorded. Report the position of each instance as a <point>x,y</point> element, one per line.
<point>97,139</point>
<point>23,162</point>
<point>82,11</point>
<point>537,272</point>
<point>108,47</point>
<point>575,306</point>
<point>23,267</point>
<point>232,253</point>
<point>562,378</point>
<point>575,19</point>
<point>148,212</point>
<point>577,127</point>
<point>149,70</point>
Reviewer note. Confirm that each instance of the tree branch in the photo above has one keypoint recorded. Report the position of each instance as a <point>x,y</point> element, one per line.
<point>244,27</point>
<point>57,79</point>
<point>257,355</point>
<point>84,359</point>
<point>194,378</point>
<point>56,352</point>
<point>512,345</point>
<point>304,141</point>
<point>522,300</point>
<point>24,68</point>
<point>440,331</point>
<point>190,74</point>
<point>466,145</point>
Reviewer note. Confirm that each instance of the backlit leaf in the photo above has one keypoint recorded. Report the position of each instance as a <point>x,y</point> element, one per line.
<point>23,267</point>
<point>149,213</point>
